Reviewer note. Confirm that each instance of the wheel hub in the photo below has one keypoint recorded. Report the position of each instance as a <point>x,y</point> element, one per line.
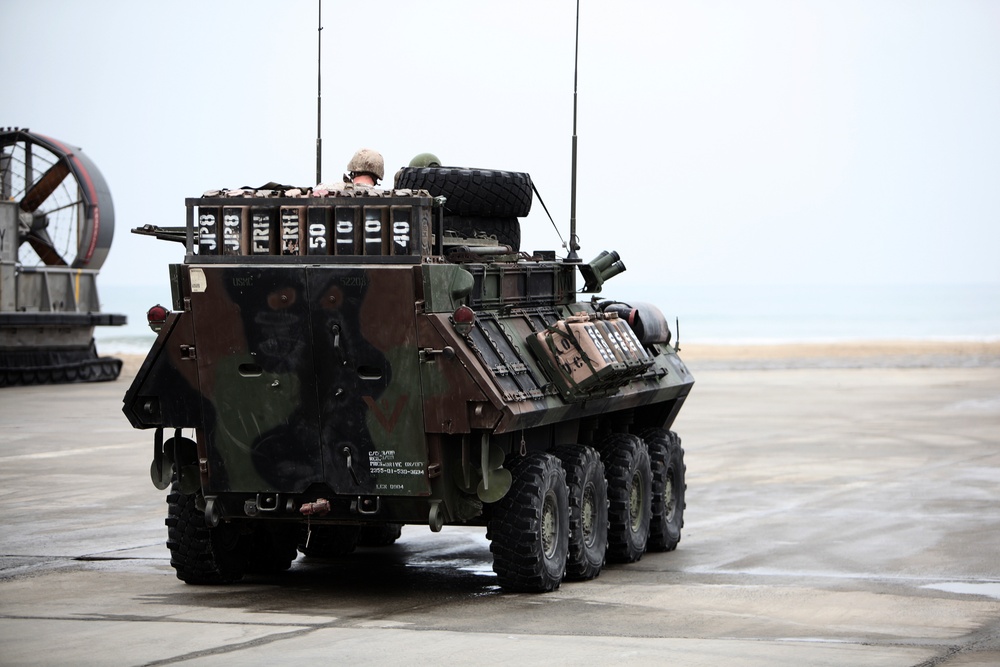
<point>635,502</point>
<point>668,497</point>
<point>549,525</point>
<point>589,516</point>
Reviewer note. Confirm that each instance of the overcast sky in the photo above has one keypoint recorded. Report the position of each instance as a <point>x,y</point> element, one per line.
<point>725,142</point>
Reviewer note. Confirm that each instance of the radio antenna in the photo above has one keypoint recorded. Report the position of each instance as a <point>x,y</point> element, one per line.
<point>319,92</point>
<point>574,241</point>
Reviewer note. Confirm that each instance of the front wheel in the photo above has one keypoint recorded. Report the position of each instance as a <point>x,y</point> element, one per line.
<point>669,487</point>
<point>529,528</point>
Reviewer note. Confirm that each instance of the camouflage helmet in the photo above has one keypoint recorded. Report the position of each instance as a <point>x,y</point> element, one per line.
<point>367,161</point>
<point>425,160</point>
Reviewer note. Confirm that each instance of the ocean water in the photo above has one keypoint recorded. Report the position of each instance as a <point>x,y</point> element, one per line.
<point>733,314</point>
<point>796,313</point>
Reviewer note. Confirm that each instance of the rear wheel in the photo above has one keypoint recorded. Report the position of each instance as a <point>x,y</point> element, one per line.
<point>588,511</point>
<point>529,528</point>
<point>199,554</point>
<point>626,464</point>
<point>669,487</point>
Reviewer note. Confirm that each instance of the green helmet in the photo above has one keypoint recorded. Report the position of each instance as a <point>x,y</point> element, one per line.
<point>425,160</point>
<point>367,161</point>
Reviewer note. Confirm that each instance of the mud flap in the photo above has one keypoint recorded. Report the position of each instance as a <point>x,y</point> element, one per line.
<point>161,469</point>
<point>178,454</point>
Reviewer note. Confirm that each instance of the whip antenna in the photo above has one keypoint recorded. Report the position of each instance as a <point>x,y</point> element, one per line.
<point>574,241</point>
<point>319,91</point>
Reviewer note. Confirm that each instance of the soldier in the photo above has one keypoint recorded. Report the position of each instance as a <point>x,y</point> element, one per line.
<point>425,160</point>
<point>365,168</point>
<point>421,160</point>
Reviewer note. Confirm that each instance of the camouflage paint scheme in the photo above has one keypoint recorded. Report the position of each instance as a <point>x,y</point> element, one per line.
<point>344,377</point>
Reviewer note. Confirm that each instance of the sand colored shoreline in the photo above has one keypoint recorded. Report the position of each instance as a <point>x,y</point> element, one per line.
<point>851,354</point>
<point>845,354</point>
<point>880,348</point>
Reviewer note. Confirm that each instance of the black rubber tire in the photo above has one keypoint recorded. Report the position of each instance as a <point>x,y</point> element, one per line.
<point>479,192</point>
<point>199,554</point>
<point>666,457</point>
<point>329,541</point>
<point>627,469</point>
<point>588,511</point>
<point>379,535</point>
<point>529,527</point>
<point>507,231</point>
<point>273,548</point>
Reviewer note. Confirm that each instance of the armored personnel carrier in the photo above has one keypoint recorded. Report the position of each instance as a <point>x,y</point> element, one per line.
<point>349,361</point>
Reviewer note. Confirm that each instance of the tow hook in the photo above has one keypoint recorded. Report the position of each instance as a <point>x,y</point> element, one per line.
<point>318,508</point>
<point>263,503</point>
<point>369,504</point>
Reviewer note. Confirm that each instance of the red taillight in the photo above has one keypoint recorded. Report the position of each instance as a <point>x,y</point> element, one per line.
<point>462,319</point>
<point>157,316</point>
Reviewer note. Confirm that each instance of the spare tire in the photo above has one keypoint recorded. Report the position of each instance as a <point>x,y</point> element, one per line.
<point>476,192</point>
<point>507,231</point>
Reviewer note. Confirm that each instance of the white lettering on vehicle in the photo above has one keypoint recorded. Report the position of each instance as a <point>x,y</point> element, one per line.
<point>317,235</point>
<point>401,233</point>
<point>231,231</point>
<point>206,231</point>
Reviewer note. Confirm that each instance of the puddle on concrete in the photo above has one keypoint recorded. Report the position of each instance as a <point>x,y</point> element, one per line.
<point>967,588</point>
<point>987,405</point>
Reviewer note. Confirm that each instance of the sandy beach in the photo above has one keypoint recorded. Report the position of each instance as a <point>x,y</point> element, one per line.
<point>841,354</point>
<point>845,354</point>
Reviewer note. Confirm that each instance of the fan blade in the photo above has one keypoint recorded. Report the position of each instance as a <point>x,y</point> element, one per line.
<point>41,243</point>
<point>45,186</point>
